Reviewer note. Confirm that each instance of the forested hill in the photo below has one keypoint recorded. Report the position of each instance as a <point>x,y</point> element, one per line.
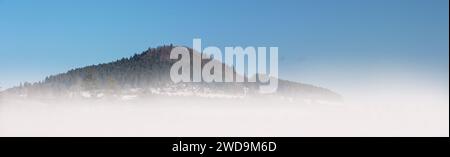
<point>147,68</point>
<point>147,73</point>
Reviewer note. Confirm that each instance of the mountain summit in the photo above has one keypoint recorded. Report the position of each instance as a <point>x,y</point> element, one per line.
<point>147,74</point>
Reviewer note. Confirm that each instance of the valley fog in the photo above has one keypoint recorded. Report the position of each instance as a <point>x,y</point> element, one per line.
<point>398,115</point>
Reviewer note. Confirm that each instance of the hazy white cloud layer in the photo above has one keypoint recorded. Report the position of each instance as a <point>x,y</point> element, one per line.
<point>400,113</point>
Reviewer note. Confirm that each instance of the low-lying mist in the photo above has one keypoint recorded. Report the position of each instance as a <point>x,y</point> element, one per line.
<point>397,114</point>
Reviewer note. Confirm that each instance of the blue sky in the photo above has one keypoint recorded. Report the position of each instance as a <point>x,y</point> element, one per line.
<point>324,42</point>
